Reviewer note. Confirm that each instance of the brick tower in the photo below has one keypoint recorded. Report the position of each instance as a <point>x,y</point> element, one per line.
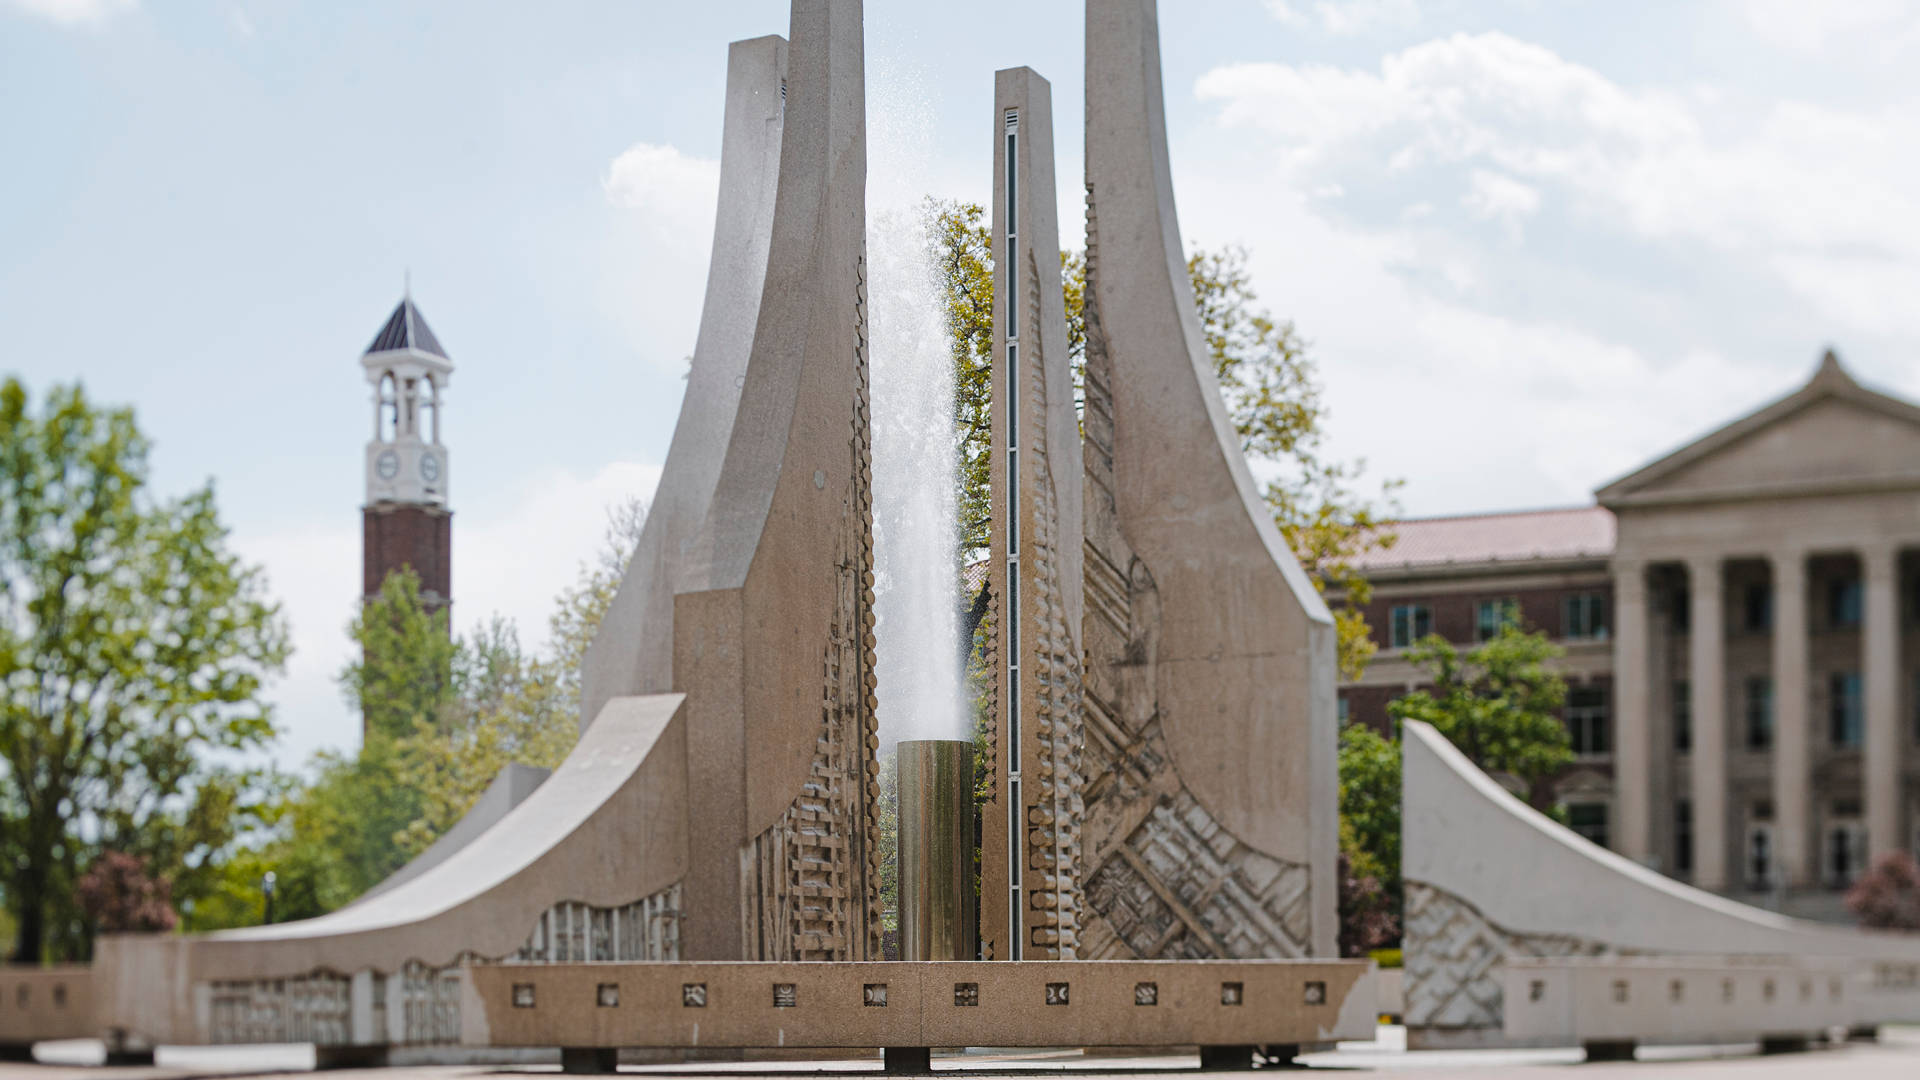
<point>406,520</point>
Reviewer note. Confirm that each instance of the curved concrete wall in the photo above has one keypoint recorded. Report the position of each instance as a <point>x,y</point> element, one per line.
<point>1489,878</point>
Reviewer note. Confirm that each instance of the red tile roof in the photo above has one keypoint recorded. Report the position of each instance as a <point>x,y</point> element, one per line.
<point>1583,532</point>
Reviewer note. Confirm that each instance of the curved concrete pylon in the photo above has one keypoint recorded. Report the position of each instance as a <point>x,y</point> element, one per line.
<point>773,627</point>
<point>633,651</point>
<point>595,864</point>
<point>1489,879</point>
<point>1210,657</point>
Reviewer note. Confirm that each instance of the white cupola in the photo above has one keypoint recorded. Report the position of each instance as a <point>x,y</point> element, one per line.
<point>409,371</point>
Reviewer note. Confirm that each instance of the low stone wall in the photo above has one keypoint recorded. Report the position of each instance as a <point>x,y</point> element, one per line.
<point>1493,886</point>
<point>1555,1002</point>
<point>914,1004</point>
<point>37,1004</point>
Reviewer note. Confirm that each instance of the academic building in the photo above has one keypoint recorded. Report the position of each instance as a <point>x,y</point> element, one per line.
<point>1741,622</point>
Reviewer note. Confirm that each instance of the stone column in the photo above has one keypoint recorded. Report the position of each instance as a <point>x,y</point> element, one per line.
<point>1792,743</point>
<point>1707,686</point>
<point>1633,739</point>
<point>1880,672</point>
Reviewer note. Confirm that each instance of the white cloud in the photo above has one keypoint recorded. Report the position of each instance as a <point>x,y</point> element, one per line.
<point>1779,185</point>
<point>1346,16</point>
<point>655,251</point>
<point>1499,198</point>
<point>512,556</point>
<point>661,179</point>
<point>1880,28</point>
<point>75,12</point>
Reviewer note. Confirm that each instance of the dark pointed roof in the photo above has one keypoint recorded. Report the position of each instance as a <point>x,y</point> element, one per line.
<point>407,329</point>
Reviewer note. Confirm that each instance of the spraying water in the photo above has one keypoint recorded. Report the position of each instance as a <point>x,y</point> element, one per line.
<point>915,454</point>
<point>915,440</point>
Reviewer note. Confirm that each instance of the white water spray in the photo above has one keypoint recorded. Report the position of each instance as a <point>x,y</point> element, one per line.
<point>915,438</point>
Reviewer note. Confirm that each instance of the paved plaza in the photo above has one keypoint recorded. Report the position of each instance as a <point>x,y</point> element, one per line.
<point>1897,1054</point>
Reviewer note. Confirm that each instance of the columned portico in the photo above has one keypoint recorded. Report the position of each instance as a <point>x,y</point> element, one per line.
<point>1880,666</point>
<point>1792,740</point>
<point>1633,751</point>
<point>1707,683</point>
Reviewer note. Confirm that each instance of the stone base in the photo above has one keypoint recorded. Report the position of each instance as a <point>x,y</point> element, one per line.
<point>907,1060</point>
<point>1224,1058</point>
<point>1864,1033</point>
<point>350,1057</point>
<point>16,1051</point>
<point>1610,1050</point>
<point>1784,1044</point>
<point>589,1060</point>
<point>129,1056</point>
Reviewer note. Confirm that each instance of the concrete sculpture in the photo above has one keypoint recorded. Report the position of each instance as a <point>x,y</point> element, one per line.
<point>772,600</point>
<point>1030,841</point>
<point>1210,823</point>
<point>1519,931</point>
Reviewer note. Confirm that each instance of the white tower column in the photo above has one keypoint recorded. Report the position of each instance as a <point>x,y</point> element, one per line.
<point>1706,689</point>
<point>1633,743</point>
<point>1880,663</point>
<point>1792,741</point>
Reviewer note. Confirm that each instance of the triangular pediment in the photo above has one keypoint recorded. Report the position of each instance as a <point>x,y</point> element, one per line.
<point>1832,435</point>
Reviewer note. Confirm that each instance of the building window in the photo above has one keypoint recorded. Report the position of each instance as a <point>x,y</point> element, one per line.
<point>1682,717</point>
<point>1843,710</point>
<point>1759,713</point>
<point>1759,855</point>
<point>1585,617</point>
<point>1589,820</point>
<point>1346,710</point>
<point>1492,616</point>
<point>1843,604</point>
<point>1682,611</point>
<point>1409,624</point>
<point>1587,720</point>
<point>1846,852</point>
<point>1758,608</point>
<point>1683,836</point>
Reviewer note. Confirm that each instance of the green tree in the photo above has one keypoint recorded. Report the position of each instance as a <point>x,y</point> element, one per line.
<point>1267,382</point>
<point>1370,803</point>
<point>1499,703</point>
<point>401,674</point>
<point>133,647</point>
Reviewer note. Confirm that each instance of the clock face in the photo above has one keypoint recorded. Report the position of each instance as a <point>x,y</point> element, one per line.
<point>387,465</point>
<point>429,468</point>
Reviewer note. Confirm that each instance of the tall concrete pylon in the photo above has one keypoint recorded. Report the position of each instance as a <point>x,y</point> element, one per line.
<point>1211,821</point>
<point>1030,833</point>
<point>773,624</point>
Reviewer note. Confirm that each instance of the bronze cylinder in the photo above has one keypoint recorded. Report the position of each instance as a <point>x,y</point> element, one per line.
<point>937,902</point>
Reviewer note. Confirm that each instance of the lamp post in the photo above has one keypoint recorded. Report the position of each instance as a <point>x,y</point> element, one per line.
<point>266,890</point>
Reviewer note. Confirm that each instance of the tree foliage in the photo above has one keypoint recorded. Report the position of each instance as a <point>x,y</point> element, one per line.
<point>1370,897</point>
<point>1267,382</point>
<point>1499,703</point>
<point>133,648</point>
<point>444,716</point>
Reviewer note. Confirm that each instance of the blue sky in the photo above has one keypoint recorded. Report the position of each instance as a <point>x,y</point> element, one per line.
<point>1532,243</point>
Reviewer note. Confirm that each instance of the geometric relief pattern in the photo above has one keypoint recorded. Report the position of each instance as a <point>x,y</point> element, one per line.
<point>572,932</point>
<point>1182,887</point>
<point>314,1008</point>
<point>317,1007</point>
<point>811,880</point>
<point>1454,959</point>
<point>1052,666</point>
<point>1170,881</point>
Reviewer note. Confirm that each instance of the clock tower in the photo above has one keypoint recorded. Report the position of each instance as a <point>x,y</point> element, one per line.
<point>406,522</point>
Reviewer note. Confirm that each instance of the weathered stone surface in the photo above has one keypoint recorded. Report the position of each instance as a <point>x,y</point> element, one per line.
<point>1210,667</point>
